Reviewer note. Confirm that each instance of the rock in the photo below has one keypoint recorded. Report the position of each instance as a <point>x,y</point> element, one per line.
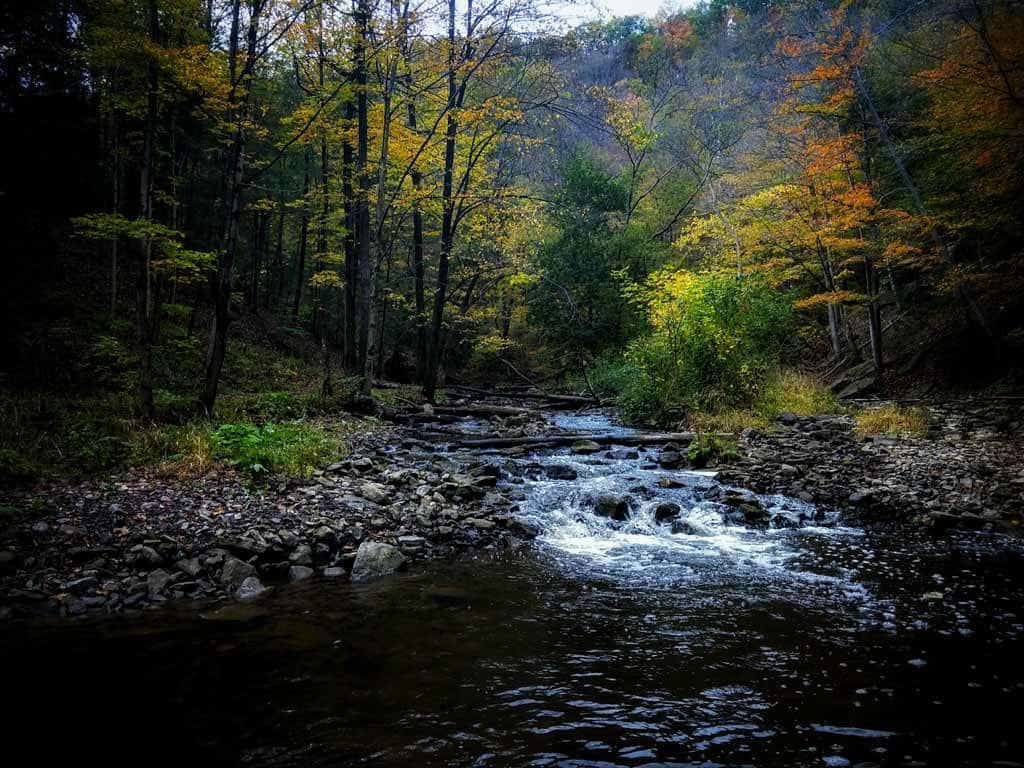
<point>250,588</point>
<point>670,459</point>
<point>157,581</point>
<point>585,446</point>
<point>480,524</point>
<point>82,585</point>
<point>560,472</point>
<point>190,567</point>
<point>375,559</point>
<point>362,463</point>
<point>623,454</point>
<point>610,505</point>
<point>299,573</point>
<point>787,419</point>
<point>8,561</point>
<point>333,572</point>
<point>411,544</point>
<point>861,497</point>
<point>236,571</point>
<point>301,555</point>
<point>683,527</point>
<point>666,511</point>
<point>146,554</point>
<point>374,492</point>
<point>668,482</point>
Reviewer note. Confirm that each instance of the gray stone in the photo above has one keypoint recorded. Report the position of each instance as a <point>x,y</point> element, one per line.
<point>299,573</point>
<point>190,566</point>
<point>480,524</point>
<point>374,492</point>
<point>302,555</point>
<point>623,454</point>
<point>236,571</point>
<point>375,559</point>
<point>157,581</point>
<point>333,572</point>
<point>560,472</point>
<point>82,585</point>
<point>585,446</point>
<point>411,543</point>
<point>250,588</point>
<point>670,459</point>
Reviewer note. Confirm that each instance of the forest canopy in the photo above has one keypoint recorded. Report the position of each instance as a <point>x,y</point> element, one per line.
<point>661,210</point>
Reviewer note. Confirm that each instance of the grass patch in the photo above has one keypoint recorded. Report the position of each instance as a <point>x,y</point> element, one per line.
<point>707,449</point>
<point>786,391</point>
<point>293,449</point>
<point>893,420</point>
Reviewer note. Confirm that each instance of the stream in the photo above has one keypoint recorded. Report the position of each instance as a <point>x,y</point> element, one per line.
<point>696,641</point>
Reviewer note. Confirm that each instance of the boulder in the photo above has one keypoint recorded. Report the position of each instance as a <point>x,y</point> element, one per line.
<point>250,588</point>
<point>666,511</point>
<point>375,559</point>
<point>560,472</point>
<point>235,571</point>
<point>623,454</point>
<point>670,459</point>
<point>374,492</point>
<point>585,446</point>
<point>610,505</point>
<point>157,581</point>
<point>299,573</point>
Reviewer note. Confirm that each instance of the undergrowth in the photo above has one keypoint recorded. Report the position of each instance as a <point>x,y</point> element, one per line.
<point>892,419</point>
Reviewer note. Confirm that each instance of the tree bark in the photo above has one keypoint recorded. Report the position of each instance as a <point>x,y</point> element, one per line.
<point>233,197</point>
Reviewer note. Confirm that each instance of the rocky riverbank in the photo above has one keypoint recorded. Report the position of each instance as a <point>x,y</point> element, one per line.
<point>138,540</point>
<point>967,472</point>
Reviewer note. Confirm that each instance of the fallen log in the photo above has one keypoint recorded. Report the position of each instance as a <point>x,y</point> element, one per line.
<point>554,441</point>
<point>567,399</point>
<point>481,410</point>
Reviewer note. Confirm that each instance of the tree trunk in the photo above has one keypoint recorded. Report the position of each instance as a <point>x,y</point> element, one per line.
<point>145,305</point>
<point>363,234</point>
<point>447,217</point>
<point>300,268</point>
<point>351,255</point>
<point>233,198</point>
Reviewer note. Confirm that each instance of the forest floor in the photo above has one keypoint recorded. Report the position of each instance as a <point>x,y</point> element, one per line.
<point>139,538</point>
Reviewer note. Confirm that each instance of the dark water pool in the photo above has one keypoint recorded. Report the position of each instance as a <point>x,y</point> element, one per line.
<point>853,650</point>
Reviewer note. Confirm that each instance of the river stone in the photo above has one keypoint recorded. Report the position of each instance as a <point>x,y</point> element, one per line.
<point>250,588</point>
<point>82,585</point>
<point>560,472</point>
<point>189,566</point>
<point>610,505</point>
<point>375,492</point>
<point>299,573</point>
<point>302,555</point>
<point>623,454</point>
<point>585,446</point>
<point>157,581</point>
<point>236,571</point>
<point>666,511</point>
<point>670,459</point>
<point>375,559</point>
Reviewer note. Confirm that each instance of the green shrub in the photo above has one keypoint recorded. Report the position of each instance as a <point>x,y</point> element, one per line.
<point>289,449</point>
<point>713,341</point>
<point>708,448</point>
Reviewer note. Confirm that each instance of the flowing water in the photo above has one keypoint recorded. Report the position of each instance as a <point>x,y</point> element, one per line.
<point>606,643</point>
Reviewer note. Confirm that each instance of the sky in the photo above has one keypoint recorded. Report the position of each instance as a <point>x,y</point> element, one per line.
<point>584,10</point>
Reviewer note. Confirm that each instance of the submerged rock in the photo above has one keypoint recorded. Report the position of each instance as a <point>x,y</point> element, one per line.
<point>610,505</point>
<point>375,559</point>
<point>560,472</point>
<point>666,511</point>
